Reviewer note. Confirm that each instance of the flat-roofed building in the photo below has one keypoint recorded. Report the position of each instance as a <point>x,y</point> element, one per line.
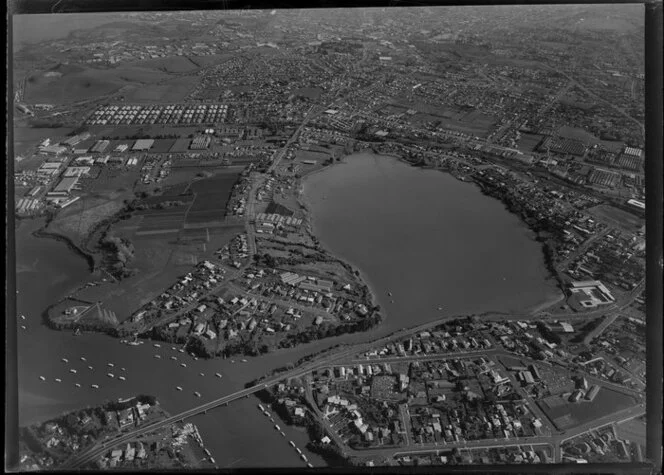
<point>76,171</point>
<point>53,149</point>
<point>591,293</point>
<point>592,392</point>
<point>66,184</point>
<point>100,146</point>
<point>143,145</point>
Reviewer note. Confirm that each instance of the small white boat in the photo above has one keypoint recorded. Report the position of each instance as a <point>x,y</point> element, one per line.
<point>181,350</point>
<point>42,378</point>
<point>217,375</point>
<point>292,443</point>
<point>283,434</point>
<point>298,450</point>
<point>122,378</point>
<point>303,457</point>
<point>111,365</point>
<point>83,359</point>
<point>77,385</point>
<point>174,358</point>
<point>157,356</point>
<point>65,360</point>
<point>90,367</point>
<point>58,380</point>
<point>173,348</point>
<point>178,388</point>
<point>23,327</point>
<point>197,394</point>
<point>72,371</point>
<point>22,317</point>
<point>157,345</point>
<point>260,406</point>
<point>195,359</point>
<point>123,369</point>
<point>277,427</point>
<point>309,465</point>
<point>212,460</point>
<point>271,419</point>
<point>232,361</point>
<point>94,386</point>
<point>110,375</point>
<point>202,374</point>
<point>183,365</point>
<point>389,294</point>
<point>244,361</point>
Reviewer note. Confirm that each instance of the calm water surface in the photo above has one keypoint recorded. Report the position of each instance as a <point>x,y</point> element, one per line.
<point>428,238</point>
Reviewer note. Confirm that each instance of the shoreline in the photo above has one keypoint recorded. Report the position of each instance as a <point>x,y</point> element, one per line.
<point>548,264</point>
<point>309,224</point>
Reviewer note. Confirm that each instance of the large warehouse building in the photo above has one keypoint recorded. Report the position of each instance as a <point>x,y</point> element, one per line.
<point>66,184</point>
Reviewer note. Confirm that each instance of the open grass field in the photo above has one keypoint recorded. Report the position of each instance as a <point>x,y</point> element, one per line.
<point>78,219</point>
<point>633,430</point>
<point>211,194</point>
<point>567,414</point>
<point>180,145</point>
<point>162,145</point>
<point>27,137</point>
<point>159,259</point>
<point>172,90</point>
<point>617,216</point>
<point>68,88</point>
<point>528,142</point>
<point>209,60</point>
<point>172,64</point>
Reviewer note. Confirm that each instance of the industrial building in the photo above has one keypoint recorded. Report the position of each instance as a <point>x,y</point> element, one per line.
<point>200,143</point>
<point>76,171</point>
<point>66,184</point>
<point>100,146</point>
<point>143,145</point>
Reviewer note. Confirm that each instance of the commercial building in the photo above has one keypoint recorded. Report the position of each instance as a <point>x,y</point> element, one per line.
<point>590,293</point>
